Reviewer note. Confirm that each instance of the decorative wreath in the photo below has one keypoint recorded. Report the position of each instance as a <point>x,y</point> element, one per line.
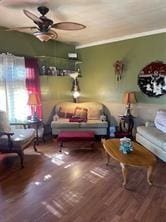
<point>152,79</point>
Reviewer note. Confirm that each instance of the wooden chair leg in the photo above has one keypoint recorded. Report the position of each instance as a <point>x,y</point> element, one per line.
<point>21,155</point>
<point>34,145</point>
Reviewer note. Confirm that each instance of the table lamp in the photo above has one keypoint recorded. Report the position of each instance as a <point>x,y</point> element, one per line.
<point>34,101</point>
<point>128,99</point>
<point>75,86</point>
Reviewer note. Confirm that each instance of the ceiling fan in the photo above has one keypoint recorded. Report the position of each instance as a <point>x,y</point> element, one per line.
<point>44,26</point>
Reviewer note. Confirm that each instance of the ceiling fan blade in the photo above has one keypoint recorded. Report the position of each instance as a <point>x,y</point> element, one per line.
<point>32,16</point>
<point>68,26</point>
<point>20,28</point>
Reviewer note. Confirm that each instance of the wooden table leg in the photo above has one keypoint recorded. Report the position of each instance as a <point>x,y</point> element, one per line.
<point>149,173</point>
<point>60,146</point>
<point>108,159</point>
<point>124,173</point>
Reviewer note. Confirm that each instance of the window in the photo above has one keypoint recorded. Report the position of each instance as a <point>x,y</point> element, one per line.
<point>13,91</point>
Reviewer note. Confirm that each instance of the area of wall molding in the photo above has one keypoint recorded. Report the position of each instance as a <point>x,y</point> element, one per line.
<point>117,39</point>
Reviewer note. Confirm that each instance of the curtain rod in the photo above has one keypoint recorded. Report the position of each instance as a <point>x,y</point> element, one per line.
<point>19,55</point>
<point>42,56</point>
<point>35,56</point>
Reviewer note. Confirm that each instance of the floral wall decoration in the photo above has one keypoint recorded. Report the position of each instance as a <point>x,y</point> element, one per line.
<point>119,67</point>
<point>152,79</point>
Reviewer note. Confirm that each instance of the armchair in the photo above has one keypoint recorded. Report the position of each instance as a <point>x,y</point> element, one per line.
<point>15,140</point>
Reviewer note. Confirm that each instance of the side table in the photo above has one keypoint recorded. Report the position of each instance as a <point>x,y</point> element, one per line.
<point>126,125</point>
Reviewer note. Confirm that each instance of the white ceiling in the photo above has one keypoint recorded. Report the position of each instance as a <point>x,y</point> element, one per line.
<point>106,20</point>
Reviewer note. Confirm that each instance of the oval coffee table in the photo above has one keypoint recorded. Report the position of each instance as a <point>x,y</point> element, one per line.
<point>139,157</point>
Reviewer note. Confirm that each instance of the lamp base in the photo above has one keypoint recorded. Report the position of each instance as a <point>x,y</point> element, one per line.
<point>127,112</point>
<point>34,117</point>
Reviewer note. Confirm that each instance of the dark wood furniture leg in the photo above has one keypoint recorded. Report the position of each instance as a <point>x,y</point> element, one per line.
<point>34,145</point>
<point>60,147</point>
<point>21,156</point>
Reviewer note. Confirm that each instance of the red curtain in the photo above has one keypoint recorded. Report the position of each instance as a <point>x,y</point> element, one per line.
<point>32,80</point>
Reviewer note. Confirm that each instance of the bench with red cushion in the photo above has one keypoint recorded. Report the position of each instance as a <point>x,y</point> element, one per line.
<point>66,136</point>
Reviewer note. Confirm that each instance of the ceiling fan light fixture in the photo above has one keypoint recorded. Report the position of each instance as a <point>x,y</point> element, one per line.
<point>45,26</point>
<point>44,36</point>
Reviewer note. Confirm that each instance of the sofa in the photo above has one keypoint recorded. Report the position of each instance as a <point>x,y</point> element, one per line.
<point>87,116</point>
<point>153,139</point>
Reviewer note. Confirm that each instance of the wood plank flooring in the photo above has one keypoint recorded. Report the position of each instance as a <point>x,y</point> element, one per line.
<point>77,186</point>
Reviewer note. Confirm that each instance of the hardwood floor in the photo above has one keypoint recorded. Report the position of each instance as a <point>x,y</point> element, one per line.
<point>77,186</point>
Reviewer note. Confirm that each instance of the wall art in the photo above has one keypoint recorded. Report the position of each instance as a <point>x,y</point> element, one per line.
<point>118,68</point>
<point>152,79</point>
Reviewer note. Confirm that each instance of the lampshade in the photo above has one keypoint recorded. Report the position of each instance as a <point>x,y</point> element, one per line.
<point>74,75</point>
<point>33,99</point>
<point>129,98</point>
<point>45,36</point>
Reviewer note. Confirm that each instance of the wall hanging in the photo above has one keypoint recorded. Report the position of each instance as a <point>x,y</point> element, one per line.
<point>152,79</point>
<point>118,66</point>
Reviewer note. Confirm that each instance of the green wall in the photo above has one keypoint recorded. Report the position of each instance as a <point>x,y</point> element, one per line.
<point>27,45</point>
<point>99,81</point>
<point>52,88</point>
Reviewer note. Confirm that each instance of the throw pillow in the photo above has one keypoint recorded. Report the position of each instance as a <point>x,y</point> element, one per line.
<point>160,121</point>
<point>77,111</point>
<point>65,113</point>
<point>69,115</point>
<point>81,113</point>
<point>94,113</point>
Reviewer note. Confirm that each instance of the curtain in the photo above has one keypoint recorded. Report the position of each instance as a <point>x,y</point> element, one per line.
<point>3,103</point>
<point>13,92</point>
<point>32,81</point>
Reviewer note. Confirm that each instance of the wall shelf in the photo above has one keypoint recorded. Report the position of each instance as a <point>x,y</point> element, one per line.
<point>56,66</point>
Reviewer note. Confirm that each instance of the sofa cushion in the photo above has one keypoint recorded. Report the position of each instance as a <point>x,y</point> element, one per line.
<point>154,135</point>
<point>64,123</point>
<point>77,119</point>
<point>94,124</point>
